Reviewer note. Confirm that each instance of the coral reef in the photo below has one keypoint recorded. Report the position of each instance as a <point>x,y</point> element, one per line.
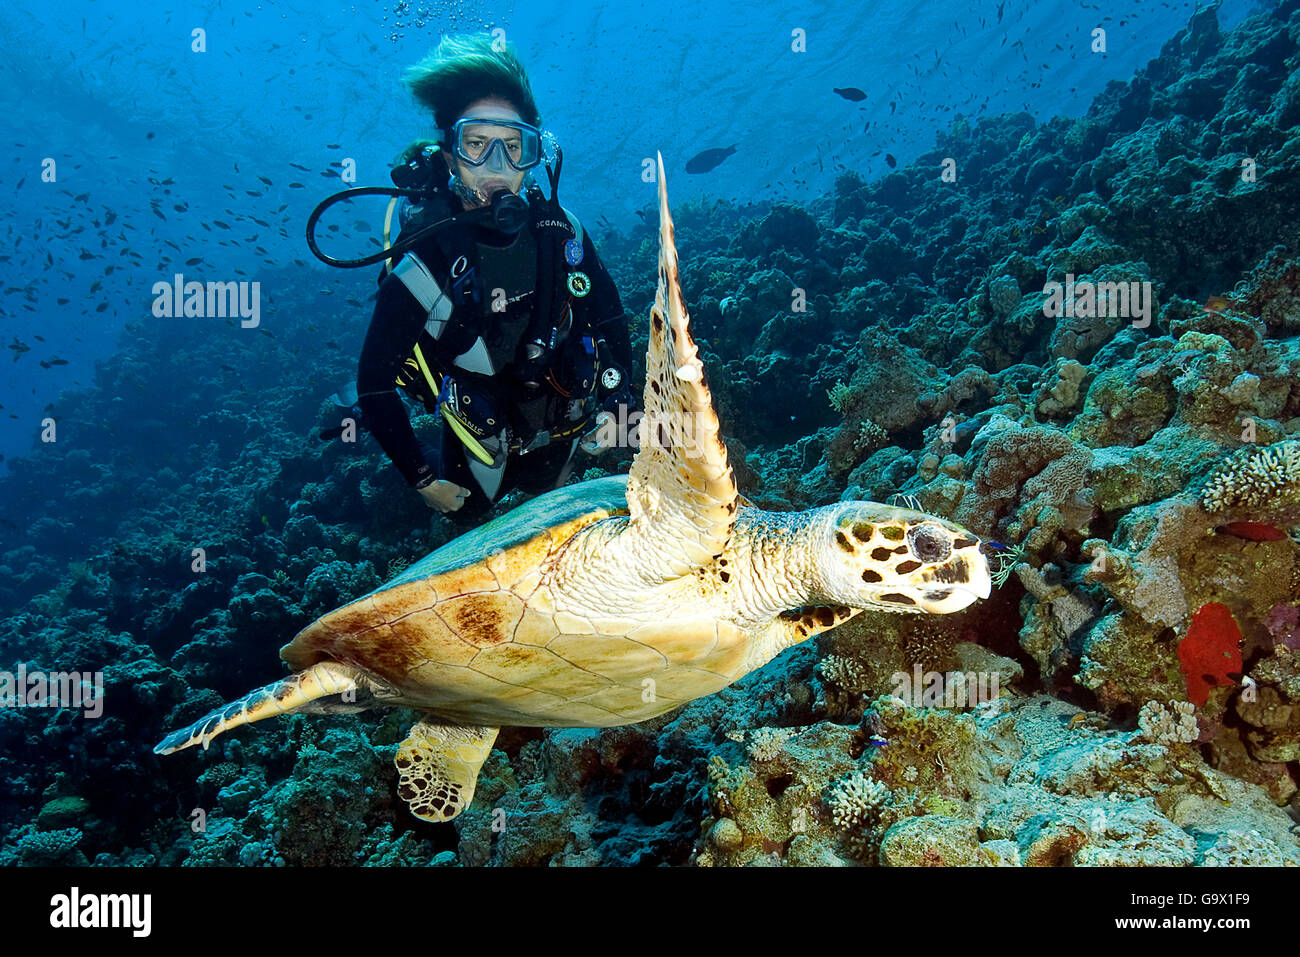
<point>1135,463</point>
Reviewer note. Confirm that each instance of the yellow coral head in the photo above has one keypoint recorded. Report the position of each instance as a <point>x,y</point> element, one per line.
<point>901,560</point>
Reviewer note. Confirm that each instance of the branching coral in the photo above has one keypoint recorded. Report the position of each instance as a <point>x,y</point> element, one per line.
<point>767,743</point>
<point>871,436</point>
<point>1255,477</point>
<point>857,805</point>
<point>845,672</point>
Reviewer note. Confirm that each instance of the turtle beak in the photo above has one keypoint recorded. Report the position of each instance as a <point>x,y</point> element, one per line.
<point>967,579</point>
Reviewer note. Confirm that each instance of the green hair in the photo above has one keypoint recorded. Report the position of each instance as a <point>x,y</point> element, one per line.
<point>464,68</point>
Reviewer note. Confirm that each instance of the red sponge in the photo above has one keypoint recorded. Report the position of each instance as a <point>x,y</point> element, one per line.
<point>1211,653</point>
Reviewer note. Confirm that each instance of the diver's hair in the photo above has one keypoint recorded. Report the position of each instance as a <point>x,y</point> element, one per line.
<point>464,68</point>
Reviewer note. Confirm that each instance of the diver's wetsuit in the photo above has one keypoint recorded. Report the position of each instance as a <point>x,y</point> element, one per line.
<point>399,322</point>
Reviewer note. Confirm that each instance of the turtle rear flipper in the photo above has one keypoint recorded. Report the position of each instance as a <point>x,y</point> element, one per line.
<point>438,765</point>
<point>294,693</point>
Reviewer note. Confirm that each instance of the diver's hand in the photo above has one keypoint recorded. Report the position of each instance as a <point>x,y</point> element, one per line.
<point>604,436</point>
<point>443,496</point>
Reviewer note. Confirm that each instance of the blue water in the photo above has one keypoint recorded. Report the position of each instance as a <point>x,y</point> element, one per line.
<point>113,94</point>
<point>189,520</point>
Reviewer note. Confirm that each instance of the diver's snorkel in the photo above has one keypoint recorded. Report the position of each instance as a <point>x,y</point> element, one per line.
<point>415,180</point>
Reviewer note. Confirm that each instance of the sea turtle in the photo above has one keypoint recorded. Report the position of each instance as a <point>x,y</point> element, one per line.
<point>610,601</point>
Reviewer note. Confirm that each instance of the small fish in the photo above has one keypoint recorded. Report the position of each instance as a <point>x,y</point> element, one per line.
<point>1253,531</point>
<point>850,93</point>
<point>266,181</point>
<point>889,158</point>
<point>708,160</point>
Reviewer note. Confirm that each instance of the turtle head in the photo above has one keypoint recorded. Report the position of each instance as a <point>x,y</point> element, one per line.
<point>897,559</point>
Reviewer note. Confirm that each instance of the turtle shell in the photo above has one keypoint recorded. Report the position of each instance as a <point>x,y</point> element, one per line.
<point>471,632</point>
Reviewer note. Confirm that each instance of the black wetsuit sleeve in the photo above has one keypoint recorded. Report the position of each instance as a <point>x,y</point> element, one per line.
<point>608,321</point>
<point>394,330</point>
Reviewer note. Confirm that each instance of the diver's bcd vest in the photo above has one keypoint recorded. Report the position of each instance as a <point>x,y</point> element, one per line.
<point>501,401</point>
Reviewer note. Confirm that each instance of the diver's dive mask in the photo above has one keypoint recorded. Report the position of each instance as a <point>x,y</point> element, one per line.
<point>496,145</point>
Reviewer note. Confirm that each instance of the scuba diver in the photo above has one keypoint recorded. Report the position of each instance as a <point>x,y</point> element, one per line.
<point>507,327</point>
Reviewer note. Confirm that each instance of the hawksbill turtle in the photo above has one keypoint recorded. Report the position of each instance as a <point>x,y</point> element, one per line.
<point>609,601</point>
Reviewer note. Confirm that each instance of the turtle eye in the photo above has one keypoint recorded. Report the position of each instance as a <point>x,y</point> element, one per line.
<point>929,543</point>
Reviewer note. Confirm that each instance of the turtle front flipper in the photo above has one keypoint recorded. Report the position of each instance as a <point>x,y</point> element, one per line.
<point>438,765</point>
<point>280,697</point>
<point>681,494</point>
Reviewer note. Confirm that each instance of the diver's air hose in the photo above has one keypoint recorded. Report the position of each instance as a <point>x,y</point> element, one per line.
<point>504,212</point>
